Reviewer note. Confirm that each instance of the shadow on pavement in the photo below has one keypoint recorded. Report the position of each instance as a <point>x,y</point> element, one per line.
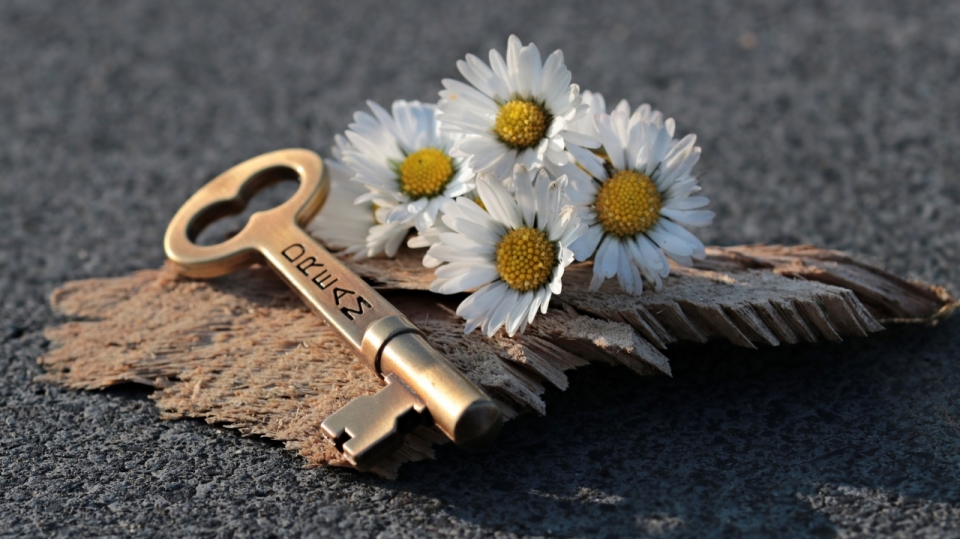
<point>739,441</point>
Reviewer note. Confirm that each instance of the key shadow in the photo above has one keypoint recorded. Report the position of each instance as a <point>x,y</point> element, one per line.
<point>738,442</point>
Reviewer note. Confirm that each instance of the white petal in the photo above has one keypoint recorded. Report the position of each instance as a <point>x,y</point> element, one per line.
<point>523,191</point>
<point>590,161</point>
<point>547,218</point>
<point>479,145</point>
<point>398,214</point>
<point>479,276</point>
<point>550,77</point>
<point>465,208</point>
<point>471,245</point>
<point>584,246</point>
<point>619,121</point>
<point>689,217</point>
<point>647,254</point>
<point>513,62</point>
<point>679,152</point>
<point>429,261</point>
<point>564,227</point>
<point>687,203</point>
<point>519,313</point>
<point>597,280</point>
<point>696,246</point>
<point>555,85</point>
<point>472,230</point>
<point>606,261</point>
<point>541,190</point>
<point>478,74</point>
<point>457,93</point>
<point>678,172</point>
<point>660,145</point>
<point>580,139</point>
<point>498,317</point>
<point>681,189</point>
<point>623,107</point>
<point>682,260</point>
<point>571,228</point>
<point>499,68</point>
<point>610,140</point>
<point>499,203</point>
<point>627,275</point>
<point>670,243</point>
<point>369,170</point>
<point>529,67</point>
<point>396,239</point>
<point>556,286</point>
<point>533,157</point>
<point>501,166</point>
<point>450,253</point>
<point>538,298</point>
<point>482,301</point>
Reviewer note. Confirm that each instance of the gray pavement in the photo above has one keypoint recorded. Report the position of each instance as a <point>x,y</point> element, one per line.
<point>830,122</point>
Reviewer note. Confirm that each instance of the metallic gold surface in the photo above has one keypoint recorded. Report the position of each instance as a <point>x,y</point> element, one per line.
<point>364,437</point>
<point>420,381</point>
<point>468,421</point>
<point>379,333</point>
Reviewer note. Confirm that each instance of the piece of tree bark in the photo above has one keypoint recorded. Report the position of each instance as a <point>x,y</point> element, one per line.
<point>244,352</point>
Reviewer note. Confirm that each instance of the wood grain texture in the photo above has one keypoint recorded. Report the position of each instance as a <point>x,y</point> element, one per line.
<point>242,351</point>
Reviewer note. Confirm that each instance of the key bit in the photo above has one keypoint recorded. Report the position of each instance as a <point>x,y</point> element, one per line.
<point>370,428</point>
<point>422,387</point>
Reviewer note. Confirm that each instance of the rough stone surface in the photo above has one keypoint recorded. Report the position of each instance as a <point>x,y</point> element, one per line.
<point>833,123</point>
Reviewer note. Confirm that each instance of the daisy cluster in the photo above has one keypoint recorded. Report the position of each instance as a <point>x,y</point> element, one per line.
<point>508,179</point>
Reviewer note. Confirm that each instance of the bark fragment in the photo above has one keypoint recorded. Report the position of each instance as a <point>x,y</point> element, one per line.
<point>242,351</point>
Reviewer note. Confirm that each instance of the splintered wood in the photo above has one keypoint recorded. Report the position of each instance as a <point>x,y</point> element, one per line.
<point>242,351</point>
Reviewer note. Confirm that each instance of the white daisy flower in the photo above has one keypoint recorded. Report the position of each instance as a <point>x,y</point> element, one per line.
<point>404,160</point>
<point>634,195</point>
<point>353,228</point>
<point>516,111</point>
<point>515,250</point>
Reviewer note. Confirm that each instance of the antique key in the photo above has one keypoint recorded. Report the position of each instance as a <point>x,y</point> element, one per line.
<point>422,387</point>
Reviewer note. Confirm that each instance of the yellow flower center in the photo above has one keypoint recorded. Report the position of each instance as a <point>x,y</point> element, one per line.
<point>425,173</point>
<point>525,258</point>
<point>628,204</point>
<point>521,124</point>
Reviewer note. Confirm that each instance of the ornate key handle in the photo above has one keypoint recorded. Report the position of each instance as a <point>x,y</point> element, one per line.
<point>422,386</point>
<point>228,194</point>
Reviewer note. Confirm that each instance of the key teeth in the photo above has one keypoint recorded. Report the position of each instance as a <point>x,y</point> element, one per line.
<point>372,427</point>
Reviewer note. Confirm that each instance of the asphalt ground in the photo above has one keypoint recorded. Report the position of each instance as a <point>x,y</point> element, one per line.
<point>832,122</point>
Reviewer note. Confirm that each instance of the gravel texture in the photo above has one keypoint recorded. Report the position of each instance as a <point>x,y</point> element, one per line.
<point>830,122</point>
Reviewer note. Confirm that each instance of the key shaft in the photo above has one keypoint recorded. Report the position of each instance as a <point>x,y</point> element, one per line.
<point>386,340</point>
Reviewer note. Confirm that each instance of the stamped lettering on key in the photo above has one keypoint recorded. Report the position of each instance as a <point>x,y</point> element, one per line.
<point>322,279</point>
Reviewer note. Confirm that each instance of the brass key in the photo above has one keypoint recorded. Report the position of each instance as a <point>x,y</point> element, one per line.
<point>422,387</point>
